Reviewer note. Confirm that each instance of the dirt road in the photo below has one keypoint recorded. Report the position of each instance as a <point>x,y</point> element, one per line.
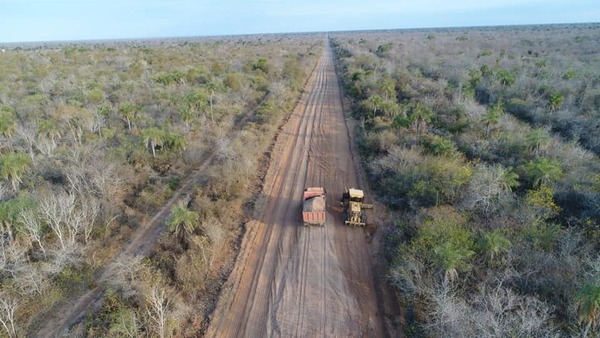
<point>292,281</point>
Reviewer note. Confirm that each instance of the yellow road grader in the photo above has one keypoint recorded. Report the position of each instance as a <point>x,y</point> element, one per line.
<point>354,208</point>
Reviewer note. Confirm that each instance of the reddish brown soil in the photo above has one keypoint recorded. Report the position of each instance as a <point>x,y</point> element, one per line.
<point>295,281</point>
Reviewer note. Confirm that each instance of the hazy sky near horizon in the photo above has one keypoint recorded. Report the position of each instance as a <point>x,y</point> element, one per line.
<point>52,20</point>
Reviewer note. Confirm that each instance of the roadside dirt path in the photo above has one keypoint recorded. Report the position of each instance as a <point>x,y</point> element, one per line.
<point>140,244</point>
<point>292,281</point>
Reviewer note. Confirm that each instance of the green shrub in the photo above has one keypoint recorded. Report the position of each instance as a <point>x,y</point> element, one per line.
<point>384,48</point>
<point>505,77</point>
<point>443,229</point>
<point>438,145</point>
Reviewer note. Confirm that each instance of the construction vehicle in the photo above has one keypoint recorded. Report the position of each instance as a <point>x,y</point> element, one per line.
<point>313,207</point>
<point>354,207</point>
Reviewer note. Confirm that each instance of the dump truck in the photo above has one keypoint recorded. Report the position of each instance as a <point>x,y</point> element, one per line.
<point>313,207</point>
<point>354,207</point>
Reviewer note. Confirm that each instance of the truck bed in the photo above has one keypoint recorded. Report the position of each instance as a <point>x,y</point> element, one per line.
<point>313,207</point>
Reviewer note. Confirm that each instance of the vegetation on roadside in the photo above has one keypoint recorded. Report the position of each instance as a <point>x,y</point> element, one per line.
<point>95,138</point>
<point>483,143</point>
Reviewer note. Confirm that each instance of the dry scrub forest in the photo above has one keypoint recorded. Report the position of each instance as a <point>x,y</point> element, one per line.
<point>98,138</point>
<point>130,167</point>
<point>484,144</point>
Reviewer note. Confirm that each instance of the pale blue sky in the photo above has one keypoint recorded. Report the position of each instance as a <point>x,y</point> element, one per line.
<point>50,20</point>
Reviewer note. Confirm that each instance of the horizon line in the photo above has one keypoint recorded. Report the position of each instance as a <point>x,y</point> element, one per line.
<point>216,36</point>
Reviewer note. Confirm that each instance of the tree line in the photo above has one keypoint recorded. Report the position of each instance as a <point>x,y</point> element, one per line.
<point>96,138</point>
<point>480,141</point>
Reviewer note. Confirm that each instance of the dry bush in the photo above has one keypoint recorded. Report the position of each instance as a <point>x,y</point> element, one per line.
<point>536,75</point>
<point>496,313</point>
<point>92,178</point>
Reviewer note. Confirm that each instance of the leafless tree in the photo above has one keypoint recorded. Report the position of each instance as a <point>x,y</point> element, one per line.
<point>278,90</point>
<point>61,258</point>
<point>203,243</point>
<point>46,146</point>
<point>214,230</point>
<point>488,190</point>
<point>245,90</point>
<point>57,211</point>
<point>98,123</point>
<point>8,307</point>
<point>225,152</point>
<point>89,212</point>
<point>78,180</point>
<point>32,280</point>
<point>27,134</point>
<point>77,124</point>
<point>408,276</point>
<point>501,313</point>
<point>450,315</point>
<point>32,227</point>
<point>125,272</point>
<point>12,257</point>
<point>47,85</point>
<point>497,312</point>
<point>159,303</point>
<point>68,216</point>
<point>89,175</point>
<point>107,178</point>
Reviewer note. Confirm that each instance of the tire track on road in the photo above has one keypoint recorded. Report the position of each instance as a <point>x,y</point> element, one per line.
<point>292,281</point>
<point>265,233</point>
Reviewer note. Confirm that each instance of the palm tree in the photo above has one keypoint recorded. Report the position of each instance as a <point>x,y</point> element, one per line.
<point>196,99</point>
<point>12,168</point>
<point>536,139</point>
<point>154,137</point>
<point>543,171</point>
<point>451,258</point>
<point>492,117</point>
<point>8,125</point>
<point>374,102</point>
<point>77,120</point>
<point>388,87</point>
<point>495,244</point>
<point>50,129</point>
<point>420,116</point>
<point>555,101</point>
<point>10,214</point>
<point>129,112</point>
<point>509,179</point>
<point>390,108</point>
<point>400,122</point>
<point>588,305</point>
<point>175,142</point>
<point>182,221</point>
<point>187,115</point>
